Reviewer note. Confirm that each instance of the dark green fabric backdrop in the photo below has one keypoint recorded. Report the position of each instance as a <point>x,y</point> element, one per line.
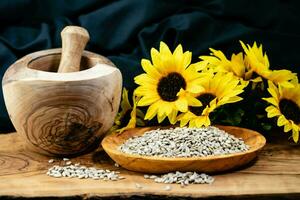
<point>125,31</point>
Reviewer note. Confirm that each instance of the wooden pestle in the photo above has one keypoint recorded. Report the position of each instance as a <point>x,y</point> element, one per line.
<point>74,39</point>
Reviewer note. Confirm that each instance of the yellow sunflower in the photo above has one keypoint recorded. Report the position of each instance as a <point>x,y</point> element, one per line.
<point>283,77</point>
<point>256,59</point>
<point>258,62</point>
<point>217,62</point>
<point>127,111</point>
<point>165,76</point>
<point>219,89</point>
<point>286,107</point>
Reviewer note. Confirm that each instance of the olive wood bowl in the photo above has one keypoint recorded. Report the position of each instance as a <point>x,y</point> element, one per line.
<point>209,164</point>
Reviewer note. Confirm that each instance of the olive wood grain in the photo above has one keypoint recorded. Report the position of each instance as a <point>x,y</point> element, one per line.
<point>211,164</point>
<point>274,175</point>
<point>62,113</point>
<point>74,39</point>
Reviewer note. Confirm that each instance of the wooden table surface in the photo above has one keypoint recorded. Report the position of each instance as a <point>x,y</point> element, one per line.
<point>275,173</point>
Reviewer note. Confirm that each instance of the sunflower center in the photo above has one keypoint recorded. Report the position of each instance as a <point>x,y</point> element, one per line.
<point>290,110</point>
<point>205,99</point>
<point>169,86</point>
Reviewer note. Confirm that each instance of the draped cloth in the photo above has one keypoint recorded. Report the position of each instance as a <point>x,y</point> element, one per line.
<point>126,30</point>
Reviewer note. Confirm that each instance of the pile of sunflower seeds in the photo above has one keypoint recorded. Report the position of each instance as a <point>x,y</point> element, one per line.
<point>184,142</point>
<point>79,171</point>
<point>183,178</point>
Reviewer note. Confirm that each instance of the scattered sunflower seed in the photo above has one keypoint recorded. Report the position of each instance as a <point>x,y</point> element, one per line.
<point>82,172</point>
<point>184,142</point>
<point>146,176</point>
<point>66,159</point>
<point>51,161</point>
<point>138,186</point>
<point>183,178</point>
<point>68,163</point>
<point>117,165</point>
<point>168,187</point>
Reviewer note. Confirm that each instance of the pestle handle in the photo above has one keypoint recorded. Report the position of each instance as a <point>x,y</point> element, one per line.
<point>74,39</point>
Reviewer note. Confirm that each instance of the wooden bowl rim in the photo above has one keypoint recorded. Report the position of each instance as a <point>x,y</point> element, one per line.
<point>115,151</point>
<point>103,67</point>
<point>57,51</point>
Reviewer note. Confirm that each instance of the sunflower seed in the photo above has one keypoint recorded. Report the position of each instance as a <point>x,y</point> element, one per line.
<point>51,161</point>
<point>117,165</point>
<point>167,188</point>
<point>184,178</point>
<point>81,172</point>
<point>138,186</point>
<point>146,176</point>
<point>68,163</point>
<point>66,159</point>
<point>184,142</point>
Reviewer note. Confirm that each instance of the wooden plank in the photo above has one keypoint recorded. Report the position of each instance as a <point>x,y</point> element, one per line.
<point>22,173</point>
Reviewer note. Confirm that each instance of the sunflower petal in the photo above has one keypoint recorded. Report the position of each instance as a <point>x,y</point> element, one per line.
<point>207,121</point>
<point>169,108</point>
<point>173,116</point>
<point>155,57</point>
<point>143,90</point>
<point>194,88</point>
<point>282,77</point>
<point>273,90</point>
<point>164,50</point>
<point>161,117</point>
<point>257,79</point>
<point>177,55</point>
<point>149,68</point>
<point>295,133</point>
<point>145,79</point>
<point>184,122</point>
<point>272,111</point>
<point>192,123</point>
<point>202,121</point>
<point>281,120</point>
<point>219,54</point>
<point>286,84</point>
<point>187,58</point>
<point>152,111</point>
<point>181,104</point>
<point>210,59</point>
<point>201,65</point>
<point>271,100</point>
<point>148,100</point>
<point>192,101</point>
<point>234,99</point>
<point>288,127</point>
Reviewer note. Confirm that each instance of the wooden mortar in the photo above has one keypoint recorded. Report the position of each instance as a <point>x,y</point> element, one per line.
<point>63,114</point>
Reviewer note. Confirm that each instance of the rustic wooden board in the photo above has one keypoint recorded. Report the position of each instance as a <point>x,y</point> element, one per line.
<point>22,173</point>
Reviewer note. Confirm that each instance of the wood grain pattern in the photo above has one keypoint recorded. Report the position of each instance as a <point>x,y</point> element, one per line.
<point>211,164</point>
<point>62,113</point>
<point>22,173</point>
<point>74,39</point>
